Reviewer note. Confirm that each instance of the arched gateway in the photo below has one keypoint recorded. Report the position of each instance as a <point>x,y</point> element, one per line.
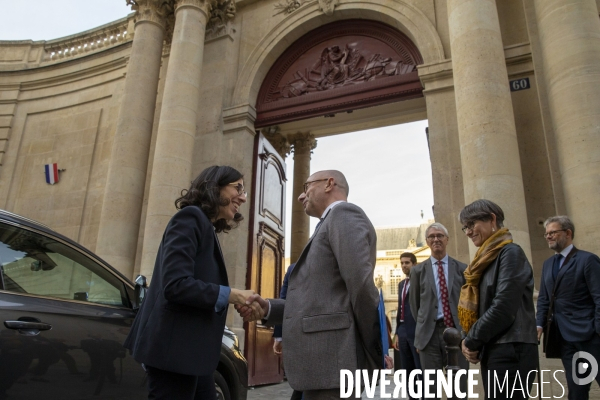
<point>133,109</point>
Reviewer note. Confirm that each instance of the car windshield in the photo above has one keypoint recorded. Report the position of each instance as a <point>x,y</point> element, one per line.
<point>37,264</point>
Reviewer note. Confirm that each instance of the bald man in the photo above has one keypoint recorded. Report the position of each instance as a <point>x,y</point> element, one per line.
<point>330,319</point>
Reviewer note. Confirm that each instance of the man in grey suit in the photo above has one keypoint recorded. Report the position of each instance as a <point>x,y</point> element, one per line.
<point>330,319</point>
<point>434,291</point>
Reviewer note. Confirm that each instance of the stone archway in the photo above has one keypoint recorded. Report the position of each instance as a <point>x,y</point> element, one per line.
<point>339,67</point>
<point>398,14</point>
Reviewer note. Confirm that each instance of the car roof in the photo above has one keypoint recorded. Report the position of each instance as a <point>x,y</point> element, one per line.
<point>24,221</point>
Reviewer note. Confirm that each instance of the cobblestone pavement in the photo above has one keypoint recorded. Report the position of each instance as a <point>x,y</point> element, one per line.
<point>551,389</point>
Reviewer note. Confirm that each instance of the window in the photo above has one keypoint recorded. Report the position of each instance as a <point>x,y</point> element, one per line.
<point>396,275</point>
<point>393,316</point>
<point>36,264</point>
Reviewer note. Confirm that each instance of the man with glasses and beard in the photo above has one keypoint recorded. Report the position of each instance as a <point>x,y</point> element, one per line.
<point>568,307</point>
<point>434,290</point>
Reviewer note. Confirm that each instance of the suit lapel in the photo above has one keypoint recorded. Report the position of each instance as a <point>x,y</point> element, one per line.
<point>220,258</point>
<point>429,277</point>
<point>451,271</point>
<point>307,247</point>
<point>569,262</point>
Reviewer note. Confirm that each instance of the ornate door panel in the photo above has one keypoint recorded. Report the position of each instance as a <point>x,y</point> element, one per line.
<point>266,255</point>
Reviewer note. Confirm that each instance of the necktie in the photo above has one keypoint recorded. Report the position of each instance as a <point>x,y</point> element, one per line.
<point>404,290</point>
<point>444,295</point>
<point>556,265</point>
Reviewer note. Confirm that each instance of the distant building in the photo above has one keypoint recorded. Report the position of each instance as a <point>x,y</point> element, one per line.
<point>391,242</point>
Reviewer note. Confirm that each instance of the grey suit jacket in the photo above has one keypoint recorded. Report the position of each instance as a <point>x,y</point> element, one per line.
<point>423,297</point>
<point>330,319</point>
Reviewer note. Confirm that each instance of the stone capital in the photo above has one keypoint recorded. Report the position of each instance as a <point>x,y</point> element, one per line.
<point>277,140</point>
<point>156,11</point>
<point>205,5</point>
<point>302,143</point>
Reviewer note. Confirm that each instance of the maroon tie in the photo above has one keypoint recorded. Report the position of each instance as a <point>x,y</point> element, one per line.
<point>404,290</point>
<point>444,293</point>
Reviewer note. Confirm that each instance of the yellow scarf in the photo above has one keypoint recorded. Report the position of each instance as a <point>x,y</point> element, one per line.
<point>468,303</point>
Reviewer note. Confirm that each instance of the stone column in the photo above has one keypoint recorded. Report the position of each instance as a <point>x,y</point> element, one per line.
<point>570,48</point>
<point>171,169</point>
<point>489,151</point>
<point>302,146</point>
<point>121,209</point>
<point>277,140</point>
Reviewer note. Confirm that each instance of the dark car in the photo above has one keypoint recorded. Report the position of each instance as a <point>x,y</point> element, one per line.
<point>64,316</point>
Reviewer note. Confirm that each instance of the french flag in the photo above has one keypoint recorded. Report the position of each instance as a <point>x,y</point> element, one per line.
<point>51,173</point>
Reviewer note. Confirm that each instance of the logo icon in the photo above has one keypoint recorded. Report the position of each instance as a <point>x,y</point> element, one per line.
<point>584,363</point>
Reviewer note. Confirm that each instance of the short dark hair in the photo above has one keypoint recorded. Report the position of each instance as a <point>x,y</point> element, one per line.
<point>564,222</point>
<point>412,257</point>
<point>481,210</point>
<point>205,192</point>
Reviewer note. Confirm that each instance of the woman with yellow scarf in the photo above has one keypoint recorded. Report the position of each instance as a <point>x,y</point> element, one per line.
<point>495,308</point>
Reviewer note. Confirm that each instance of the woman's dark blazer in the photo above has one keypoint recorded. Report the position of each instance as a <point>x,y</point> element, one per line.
<point>177,328</point>
<point>506,311</point>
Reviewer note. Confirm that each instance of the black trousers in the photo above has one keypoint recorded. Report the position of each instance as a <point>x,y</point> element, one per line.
<point>567,351</point>
<point>409,358</point>
<point>296,395</point>
<point>172,386</point>
<point>499,368</point>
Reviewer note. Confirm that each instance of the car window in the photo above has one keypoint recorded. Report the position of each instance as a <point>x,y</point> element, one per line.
<point>36,264</point>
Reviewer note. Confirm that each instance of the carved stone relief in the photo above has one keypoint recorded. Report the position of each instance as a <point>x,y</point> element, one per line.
<point>287,7</point>
<point>328,6</point>
<point>339,67</point>
<point>342,66</point>
<point>219,23</point>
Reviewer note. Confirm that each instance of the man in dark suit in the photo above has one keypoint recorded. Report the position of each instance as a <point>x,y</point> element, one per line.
<point>405,322</point>
<point>568,307</point>
<point>330,317</point>
<point>277,332</point>
<point>434,291</point>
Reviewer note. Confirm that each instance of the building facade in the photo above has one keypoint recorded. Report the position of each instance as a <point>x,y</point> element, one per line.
<point>132,110</point>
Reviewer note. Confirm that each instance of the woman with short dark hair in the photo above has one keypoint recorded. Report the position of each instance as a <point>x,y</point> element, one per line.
<point>177,332</point>
<point>495,308</point>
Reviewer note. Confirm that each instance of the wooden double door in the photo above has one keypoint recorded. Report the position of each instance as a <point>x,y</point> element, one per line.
<point>266,253</point>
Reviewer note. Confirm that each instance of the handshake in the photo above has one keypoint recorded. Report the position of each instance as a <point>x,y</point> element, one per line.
<point>249,304</point>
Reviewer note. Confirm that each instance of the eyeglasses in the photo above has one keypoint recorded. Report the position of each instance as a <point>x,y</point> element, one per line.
<point>552,233</point>
<point>240,189</point>
<point>468,227</point>
<point>305,186</point>
<point>439,236</point>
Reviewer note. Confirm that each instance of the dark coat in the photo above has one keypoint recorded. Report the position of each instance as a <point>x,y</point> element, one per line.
<point>282,295</point>
<point>177,328</point>
<point>506,311</point>
<point>405,329</point>
<point>572,302</point>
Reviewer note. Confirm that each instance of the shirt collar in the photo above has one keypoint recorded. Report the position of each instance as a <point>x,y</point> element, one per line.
<point>566,250</point>
<point>330,207</point>
<point>435,260</point>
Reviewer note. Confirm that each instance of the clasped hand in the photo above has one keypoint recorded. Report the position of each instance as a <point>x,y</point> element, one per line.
<point>253,309</point>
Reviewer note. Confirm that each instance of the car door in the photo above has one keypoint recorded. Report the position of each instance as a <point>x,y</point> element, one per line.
<point>63,319</point>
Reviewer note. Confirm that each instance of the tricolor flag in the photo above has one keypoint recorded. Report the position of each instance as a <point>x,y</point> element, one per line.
<point>51,173</point>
